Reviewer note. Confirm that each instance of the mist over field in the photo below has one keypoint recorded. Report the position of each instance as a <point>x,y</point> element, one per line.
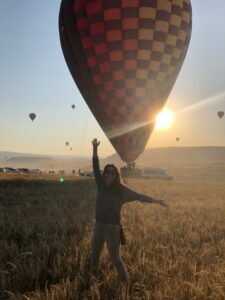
<point>156,157</point>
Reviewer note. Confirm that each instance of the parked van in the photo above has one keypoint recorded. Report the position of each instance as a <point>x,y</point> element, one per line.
<point>156,173</point>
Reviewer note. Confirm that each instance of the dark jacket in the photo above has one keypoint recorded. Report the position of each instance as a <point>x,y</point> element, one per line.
<point>109,202</point>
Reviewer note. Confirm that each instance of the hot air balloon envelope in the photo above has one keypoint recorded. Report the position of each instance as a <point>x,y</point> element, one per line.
<point>220,114</point>
<point>32,116</point>
<point>125,57</point>
<point>73,106</point>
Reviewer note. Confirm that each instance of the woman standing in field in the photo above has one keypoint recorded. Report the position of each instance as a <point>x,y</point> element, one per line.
<point>111,195</point>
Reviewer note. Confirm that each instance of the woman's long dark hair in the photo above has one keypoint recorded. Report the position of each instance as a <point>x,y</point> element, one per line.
<point>116,186</point>
<point>117,179</point>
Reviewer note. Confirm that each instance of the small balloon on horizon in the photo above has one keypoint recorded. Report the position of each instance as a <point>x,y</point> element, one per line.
<point>32,116</point>
<point>220,114</point>
<point>73,106</point>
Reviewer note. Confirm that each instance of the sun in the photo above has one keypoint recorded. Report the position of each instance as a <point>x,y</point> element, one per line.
<point>164,119</point>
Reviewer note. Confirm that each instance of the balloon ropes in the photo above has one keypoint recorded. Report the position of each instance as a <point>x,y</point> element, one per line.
<point>125,57</point>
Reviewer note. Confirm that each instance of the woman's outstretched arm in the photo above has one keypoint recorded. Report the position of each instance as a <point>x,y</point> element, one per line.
<point>95,160</point>
<point>130,195</point>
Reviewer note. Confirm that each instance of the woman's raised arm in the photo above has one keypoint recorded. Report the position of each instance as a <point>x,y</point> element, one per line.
<point>95,161</point>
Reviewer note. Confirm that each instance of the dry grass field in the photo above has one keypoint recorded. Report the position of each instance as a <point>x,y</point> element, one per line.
<point>176,253</point>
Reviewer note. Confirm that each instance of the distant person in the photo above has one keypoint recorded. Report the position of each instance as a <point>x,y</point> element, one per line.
<point>111,195</point>
<point>73,172</point>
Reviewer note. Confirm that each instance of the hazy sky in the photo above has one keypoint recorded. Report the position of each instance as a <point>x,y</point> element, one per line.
<point>34,78</point>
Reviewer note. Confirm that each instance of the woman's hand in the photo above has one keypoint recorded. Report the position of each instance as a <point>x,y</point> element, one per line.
<point>161,202</point>
<point>95,143</point>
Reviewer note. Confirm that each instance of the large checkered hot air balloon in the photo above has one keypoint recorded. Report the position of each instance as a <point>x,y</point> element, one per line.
<point>125,56</point>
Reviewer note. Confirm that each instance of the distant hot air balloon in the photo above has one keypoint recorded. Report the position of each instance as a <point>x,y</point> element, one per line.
<point>67,143</point>
<point>71,149</point>
<point>220,114</point>
<point>125,57</point>
<point>73,106</point>
<point>177,139</point>
<point>32,116</point>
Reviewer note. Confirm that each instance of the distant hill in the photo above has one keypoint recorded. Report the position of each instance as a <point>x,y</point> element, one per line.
<point>43,162</point>
<point>176,155</point>
<point>156,157</point>
<point>6,155</point>
<point>30,159</point>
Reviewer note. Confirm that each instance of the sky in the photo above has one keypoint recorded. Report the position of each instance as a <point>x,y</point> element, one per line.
<point>34,77</point>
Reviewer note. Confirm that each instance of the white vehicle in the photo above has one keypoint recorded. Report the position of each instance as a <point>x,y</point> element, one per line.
<point>130,171</point>
<point>10,170</point>
<point>156,173</point>
<point>87,173</point>
<point>35,171</point>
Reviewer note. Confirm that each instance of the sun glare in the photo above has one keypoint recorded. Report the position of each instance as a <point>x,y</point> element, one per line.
<point>164,119</point>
